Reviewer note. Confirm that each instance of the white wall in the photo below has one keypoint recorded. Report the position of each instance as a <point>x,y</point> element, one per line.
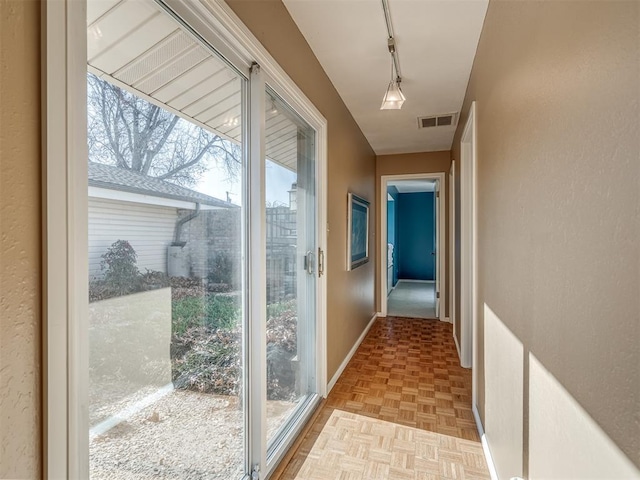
<point>148,228</point>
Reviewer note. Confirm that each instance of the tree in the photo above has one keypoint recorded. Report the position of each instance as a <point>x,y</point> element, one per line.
<point>131,133</point>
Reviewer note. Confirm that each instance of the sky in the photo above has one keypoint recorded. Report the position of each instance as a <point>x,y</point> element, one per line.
<point>278,183</point>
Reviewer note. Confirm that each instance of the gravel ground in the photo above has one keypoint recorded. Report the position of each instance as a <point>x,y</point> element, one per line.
<point>184,435</point>
<point>108,397</point>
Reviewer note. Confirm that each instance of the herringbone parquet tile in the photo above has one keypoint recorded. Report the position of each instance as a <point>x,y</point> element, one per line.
<point>406,371</point>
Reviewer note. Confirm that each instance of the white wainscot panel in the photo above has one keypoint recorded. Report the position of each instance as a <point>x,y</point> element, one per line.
<point>504,367</point>
<point>564,441</point>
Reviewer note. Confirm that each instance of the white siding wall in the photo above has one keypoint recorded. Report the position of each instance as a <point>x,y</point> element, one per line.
<point>149,229</point>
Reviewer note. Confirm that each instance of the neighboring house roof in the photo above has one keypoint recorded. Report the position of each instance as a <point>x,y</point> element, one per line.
<point>114,178</point>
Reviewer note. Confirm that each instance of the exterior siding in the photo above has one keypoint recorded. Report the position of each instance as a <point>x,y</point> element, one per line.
<point>148,228</point>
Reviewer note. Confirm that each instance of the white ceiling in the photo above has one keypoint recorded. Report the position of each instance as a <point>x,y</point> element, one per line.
<point>413,186</point>
<point>436,42</point>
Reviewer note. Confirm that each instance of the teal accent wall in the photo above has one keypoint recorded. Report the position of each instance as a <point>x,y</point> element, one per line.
<point>415,236</point>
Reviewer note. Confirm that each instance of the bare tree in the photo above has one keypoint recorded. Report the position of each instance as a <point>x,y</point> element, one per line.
<point>131,133</point>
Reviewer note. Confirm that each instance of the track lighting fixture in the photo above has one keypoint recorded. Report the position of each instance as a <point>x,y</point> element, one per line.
<point>393,98</point>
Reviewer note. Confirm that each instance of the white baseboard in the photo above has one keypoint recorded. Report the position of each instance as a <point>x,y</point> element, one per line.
<point>407,280</point>
<point>447,319</point>
<point>485,445</point>
<point>344,363</point>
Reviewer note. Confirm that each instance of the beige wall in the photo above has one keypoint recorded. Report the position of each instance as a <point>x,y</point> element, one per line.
<point>557,87</point>
<point>409,163</point>
<point>351,302</point>
<point>20,310</point>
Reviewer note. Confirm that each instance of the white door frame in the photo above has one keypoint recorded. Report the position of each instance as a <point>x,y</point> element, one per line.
<point>452,250</point>
<point>441,257</point>
<point>65,288</point>
<point>468,247</point>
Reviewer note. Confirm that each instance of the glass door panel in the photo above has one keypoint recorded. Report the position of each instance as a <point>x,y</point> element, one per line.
<point>168,257</point>
<point>291,257</point>
<point>166,250</point>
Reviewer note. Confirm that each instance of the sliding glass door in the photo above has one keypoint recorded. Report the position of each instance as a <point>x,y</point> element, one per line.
<point>172,374</point>
<point>292,265</point>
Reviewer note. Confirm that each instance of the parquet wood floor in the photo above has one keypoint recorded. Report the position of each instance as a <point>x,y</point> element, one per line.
<point>355,447</point>
<point>406,372</point>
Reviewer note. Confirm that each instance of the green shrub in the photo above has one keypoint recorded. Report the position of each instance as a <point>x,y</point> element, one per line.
<point>214,312</point>
<point>121,273</point>
<point>209,362</point>
<point>206,347</point>
<point>221,269</point>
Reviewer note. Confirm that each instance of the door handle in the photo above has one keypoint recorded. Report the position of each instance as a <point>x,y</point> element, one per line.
<point>433,253</point>
<point>309,261</point>
<point>320,262</point>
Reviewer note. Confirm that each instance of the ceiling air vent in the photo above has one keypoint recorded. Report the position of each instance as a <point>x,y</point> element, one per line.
<point>445,120</point>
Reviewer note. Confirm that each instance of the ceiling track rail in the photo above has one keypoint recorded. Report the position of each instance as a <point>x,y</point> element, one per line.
<point>391,39</point>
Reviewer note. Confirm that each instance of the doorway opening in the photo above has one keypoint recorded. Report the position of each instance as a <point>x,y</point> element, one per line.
<point>412,239</point>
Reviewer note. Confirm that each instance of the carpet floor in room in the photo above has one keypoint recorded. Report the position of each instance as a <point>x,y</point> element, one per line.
<point>412,299</point>
<point>400,410</point>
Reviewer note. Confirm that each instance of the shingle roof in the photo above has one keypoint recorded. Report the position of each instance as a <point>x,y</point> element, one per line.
<point>114,178</point>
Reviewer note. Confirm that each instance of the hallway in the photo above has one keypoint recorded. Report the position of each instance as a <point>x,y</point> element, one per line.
<point>401,409</point>
<point>412,299</point>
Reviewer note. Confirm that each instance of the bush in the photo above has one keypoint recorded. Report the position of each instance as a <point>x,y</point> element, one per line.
<point>206,344</point>
<point>210,363</point>
<point>153,280</point>
<point>121,273</point>
<point>214,312</point>
<point>206,347</point>
<point>221,270</point>
<point>282,347</point>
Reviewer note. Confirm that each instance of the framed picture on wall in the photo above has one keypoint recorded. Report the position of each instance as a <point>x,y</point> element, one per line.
<point>357,232</point>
